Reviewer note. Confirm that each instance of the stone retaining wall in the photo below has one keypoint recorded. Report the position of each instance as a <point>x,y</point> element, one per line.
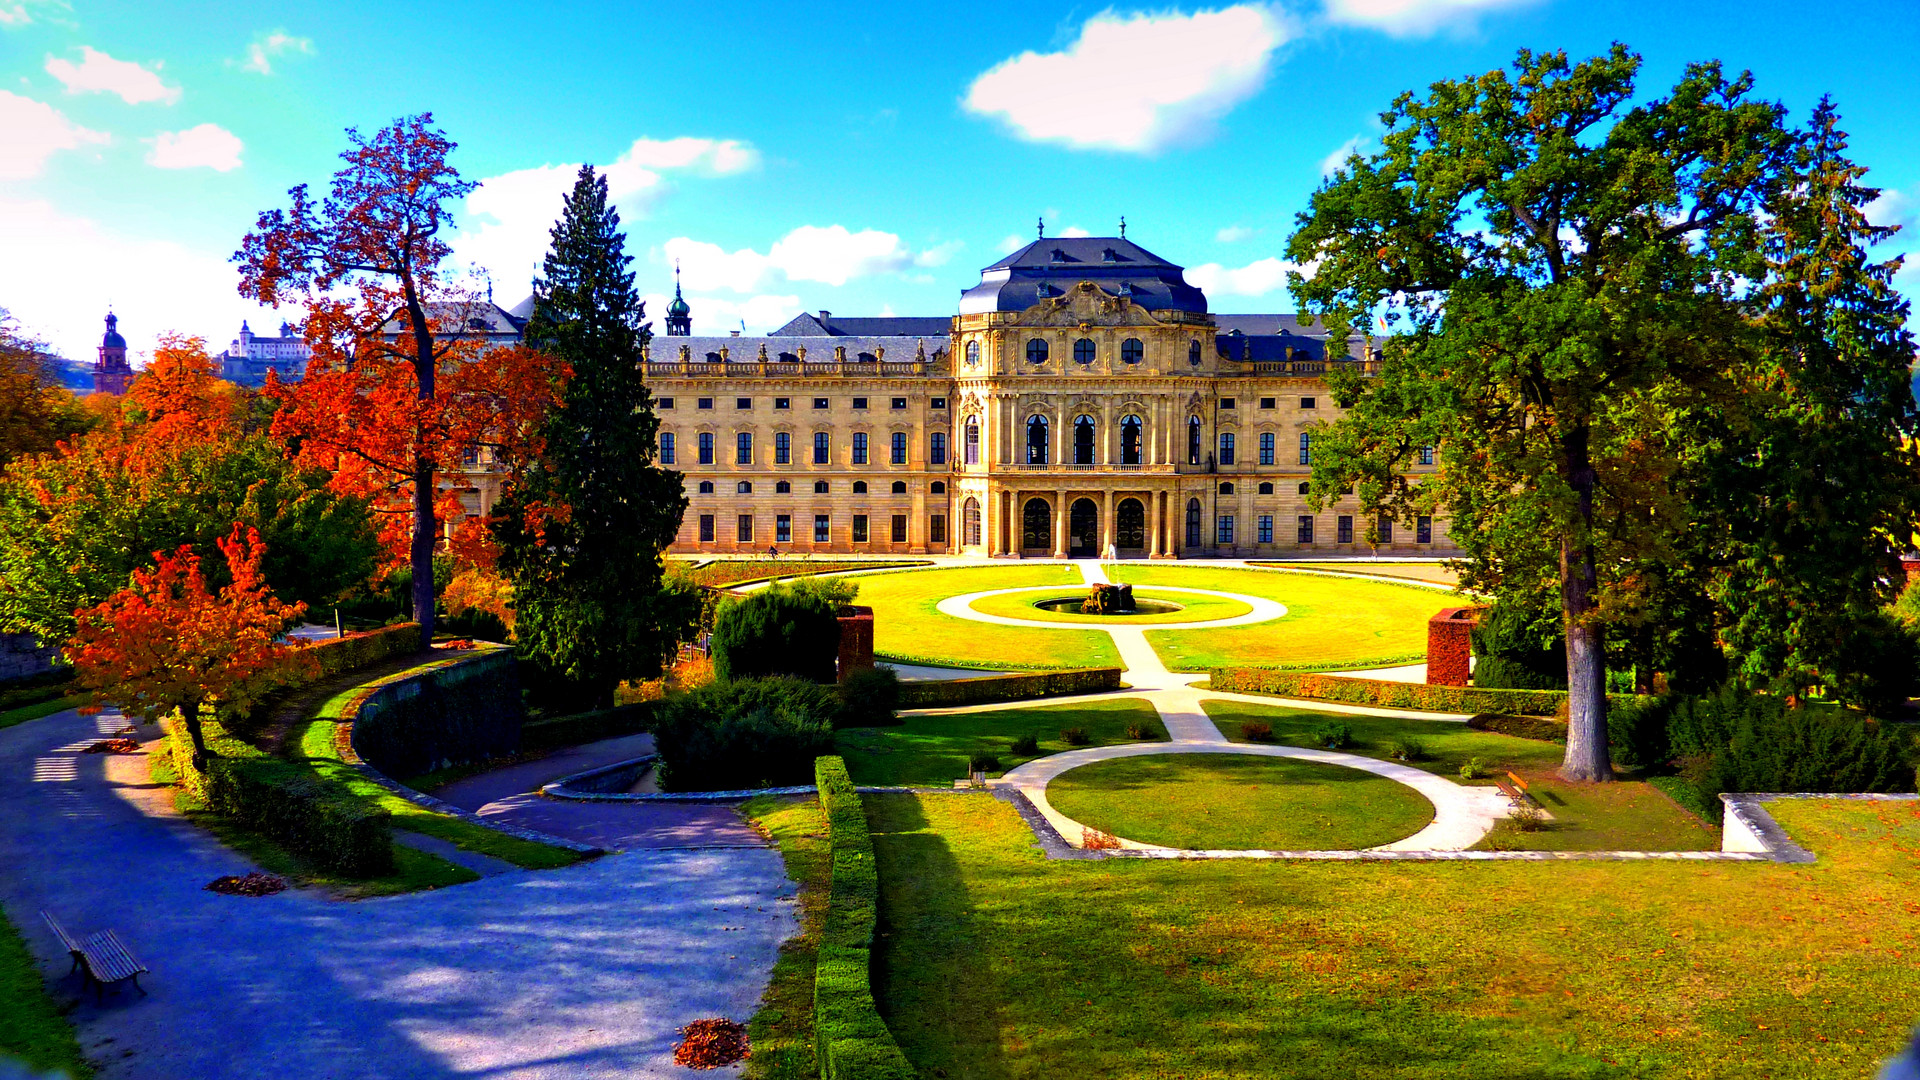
<point>22,657</point>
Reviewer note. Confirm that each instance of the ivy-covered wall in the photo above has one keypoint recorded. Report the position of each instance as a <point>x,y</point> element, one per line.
<point>462,709</point>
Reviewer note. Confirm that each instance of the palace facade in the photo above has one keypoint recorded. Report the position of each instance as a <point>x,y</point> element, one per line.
<point>1083,401</point>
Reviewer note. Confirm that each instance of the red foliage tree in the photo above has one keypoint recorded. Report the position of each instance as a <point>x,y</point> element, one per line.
<point>167,642</point>
<point>399,386</point>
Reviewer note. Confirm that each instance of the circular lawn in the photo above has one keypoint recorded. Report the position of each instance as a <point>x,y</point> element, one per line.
<point>1193,607</point>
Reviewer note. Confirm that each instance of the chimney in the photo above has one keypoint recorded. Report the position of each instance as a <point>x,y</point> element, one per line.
<point>824,316</point>
<point>735,333</point>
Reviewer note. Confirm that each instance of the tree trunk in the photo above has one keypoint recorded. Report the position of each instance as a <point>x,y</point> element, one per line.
<point>1586,653</point>
<point>421,554</point>
<point>190,715</point>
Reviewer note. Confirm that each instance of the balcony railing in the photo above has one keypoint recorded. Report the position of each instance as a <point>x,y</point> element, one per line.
<point>775,369</point>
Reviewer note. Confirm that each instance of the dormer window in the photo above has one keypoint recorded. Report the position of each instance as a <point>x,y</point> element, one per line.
<point>1126,288</point>
<point>1058,255</point>
<point>1109,256</point>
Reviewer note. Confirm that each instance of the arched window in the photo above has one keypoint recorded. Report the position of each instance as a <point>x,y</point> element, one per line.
<point>744,487</point>
<point>973,353</point>
<point>899,487</point>
<point>1037,440</point>
<point>1193,352</point>
<point>973,440</point>
<point>1130,431</point>
<point>1083,440</point>
<point>970,522</point>
<point>939,487</point>
<point>1132,351</point>
<point>1193,523</point>
<point>1226,488</point>
<point>1036,524</point>
<point>819,487</point>
<point>706,487</point>
<point>1193,440</point>
<point>859,487</point>
<point>1266,489</point>
<point>1036,350</point>
<point>1083,351</point>
<point>782,488</point>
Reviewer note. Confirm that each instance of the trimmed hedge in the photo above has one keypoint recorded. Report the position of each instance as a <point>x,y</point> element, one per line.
<point>278,799</point>
<point>587,727</point>
<point>851,1040</point>
<point>748,733</point>
<point>1386,694</point>
<point>937,693</point>
<point>1538,728</point>
<point>337,656</point>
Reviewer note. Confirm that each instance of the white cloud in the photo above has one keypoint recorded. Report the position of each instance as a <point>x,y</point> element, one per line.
<point>1012,242</point>
<point>261,52</point>
<point>206,146</point>
<point>1334,162</point>
<point>31,131</point>
<point>939,254</point>
<point>1414,18</point>
<point>710,266</point>
<point>20,12</point>
<point>713,315</point>
<point>511,216</point>
<point>1138,83</point>
<point>1073,231</point>
<point>61,272</point>
<point>831,256</point>
<point>1257,278</point>
<point>1894,208</point>
<point>98,73</point>
<point>1232,234</point>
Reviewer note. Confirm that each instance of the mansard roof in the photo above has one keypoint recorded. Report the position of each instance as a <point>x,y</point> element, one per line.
<point>744,349</point>
<point>827,324</point>
<point>1051,265</point>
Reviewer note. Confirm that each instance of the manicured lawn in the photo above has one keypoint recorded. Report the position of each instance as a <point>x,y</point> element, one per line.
<point>1626,815</point>
<point>1193,608</point>
<point>935,750</point>
<point>1416,571</point>
<point>1206,801</point>
<point>907,628</point>
<point>24,713</point>
<point>32,1027</point>
<point>743,571</point>
<point>1330,622</point>
<point>996,962</point>
<point>781,1033</point>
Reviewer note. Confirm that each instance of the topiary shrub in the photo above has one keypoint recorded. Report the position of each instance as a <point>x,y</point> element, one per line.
<point>742,734</point>
<point>868,698</point>
<point>777,631</point>
<point>1540,728</point>
<point>1025,744</point>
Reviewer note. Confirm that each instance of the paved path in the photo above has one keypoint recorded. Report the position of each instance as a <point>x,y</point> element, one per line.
<point>585,972</point>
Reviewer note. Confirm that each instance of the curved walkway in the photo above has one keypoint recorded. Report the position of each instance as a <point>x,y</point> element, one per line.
<point>584,972</point>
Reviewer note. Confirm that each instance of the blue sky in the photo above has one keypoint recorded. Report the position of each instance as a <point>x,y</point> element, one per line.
<point>862,159</point>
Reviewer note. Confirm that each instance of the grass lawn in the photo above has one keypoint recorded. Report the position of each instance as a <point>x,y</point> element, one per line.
<point>1416,571</point>
<point>33,1030</point>
<point>996,962</point>
<point>1193,608</point>
<point>907,628</point>
<point>1626,815</point>
<point>745,571</point>
<point>781,1033</point>
<point>1228,801</point>
<point>24,713</point>
<point>1330,622</point>
<point>934,750</point>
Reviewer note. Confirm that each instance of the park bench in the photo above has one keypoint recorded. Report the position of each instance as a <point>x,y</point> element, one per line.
<point>103,957</point>
<point>1516,789</point>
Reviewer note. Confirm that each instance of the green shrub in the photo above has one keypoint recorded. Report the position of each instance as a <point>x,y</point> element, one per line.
<point>1878,665</point>
<point>1141,733</point>
<point>1474,769</point>
<point>1333,734</point>
<point>1637,731</point>
<point>1737,741</point>
<point>940,693</point>
<point>1541,728</point>
<point>1025,744</point>
<point>745,733</point>
<point>1075,736</point>
<point>983,763</point>
<point>851,1041</point>
<point>777,631</point>
<point>1519,649</point>
<point>1385,693</point>
<point>1506,673</point>
<point>587,727</point>
<point>1407,748</point>
<point>1256,731</point>
<point>868,698</point>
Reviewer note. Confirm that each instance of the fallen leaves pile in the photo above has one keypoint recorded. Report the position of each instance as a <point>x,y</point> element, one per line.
<point>114,746</point>
<point>254,884</point>
<point>711,1043</point>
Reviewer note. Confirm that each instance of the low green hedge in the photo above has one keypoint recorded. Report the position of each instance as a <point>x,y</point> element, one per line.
<point>587,727</point>
<point>937,693</point>
<point>1538,728</point>
<point>1386,694</point>
<point>852,1042</point>
<point>278,799</point>
<point>337,656</point>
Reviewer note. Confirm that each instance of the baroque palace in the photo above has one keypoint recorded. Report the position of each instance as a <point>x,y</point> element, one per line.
<point>1082,402</point>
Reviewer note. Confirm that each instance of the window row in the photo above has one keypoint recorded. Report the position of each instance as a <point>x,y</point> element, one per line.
<point>1085,351</point>
<point>820,487</point>
<point>897,404</point>
<point>1223,528</point>
<point>859,453</point>
<point>858,533</point>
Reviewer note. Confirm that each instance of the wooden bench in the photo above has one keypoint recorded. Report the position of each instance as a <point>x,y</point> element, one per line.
<point>1516,789</point>
<point>103,957</point>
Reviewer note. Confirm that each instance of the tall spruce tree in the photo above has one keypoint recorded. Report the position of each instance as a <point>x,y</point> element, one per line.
<point>581,530</point>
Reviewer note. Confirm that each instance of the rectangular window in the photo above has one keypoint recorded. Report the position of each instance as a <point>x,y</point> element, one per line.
<point>1266,528</point>
<point>899,403</point>
<point>782,403</point>
<point>1386,529</point>
<point>783,528</point>
<point>704,403</point>
<point>822,448</point>
<point>782,448</point>
<point>706,528</point>
<point>859,403</point>
<point>937,448</point>
<point>1226,448</point>
<point>1226,403</point>
<point>706,448</point>
<point>897,451</point>
<point>743,403</point>
<point>859,447</point>
<point>1346,529</point>
<point>1306,448</point>
<point>859,528</point>
<point>899,528</point>
<point>1266,403</point>
<point>1423,530</point>
<point>822,529</point>
<point>937,529</point>
<point>1304,531</point>
<point>743,448</point>
<point>1306,403</point>
<point>937,403</point>
<point>1266,448</point>
<point>1223,529</point>
<point>1426,455</point>
<point>663,403</point>
<point>819,403</point>
<point>666,448</point>
<point>744,529</point>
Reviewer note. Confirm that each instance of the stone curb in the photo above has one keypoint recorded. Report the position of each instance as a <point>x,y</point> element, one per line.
<point>1747,826</point>
<point>563,789</point>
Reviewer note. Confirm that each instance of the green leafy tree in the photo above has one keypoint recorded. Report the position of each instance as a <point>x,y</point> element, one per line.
<point>583,526</point>
<point>1565,272</point>
<point>778,631</point>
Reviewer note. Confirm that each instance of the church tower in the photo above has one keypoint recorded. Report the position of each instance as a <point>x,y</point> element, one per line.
<point>110,372</point>
<point>679,315</point>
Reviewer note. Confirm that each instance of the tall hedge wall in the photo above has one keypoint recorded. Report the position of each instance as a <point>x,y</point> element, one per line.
<point>937,693</point>
<point>1386,694</point>
<point>465,708</point>
<point>853,1043</point>
<point>338,656</point>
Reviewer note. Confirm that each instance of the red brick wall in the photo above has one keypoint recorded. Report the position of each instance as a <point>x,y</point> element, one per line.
<point>1450,646</point>
<point>856,641</point>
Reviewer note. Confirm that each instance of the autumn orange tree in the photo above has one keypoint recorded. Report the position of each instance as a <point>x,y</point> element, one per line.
<point>401,383</point>
<point>167,642</point>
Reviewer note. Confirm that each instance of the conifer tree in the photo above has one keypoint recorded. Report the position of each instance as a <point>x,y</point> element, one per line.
<point>582,527</point>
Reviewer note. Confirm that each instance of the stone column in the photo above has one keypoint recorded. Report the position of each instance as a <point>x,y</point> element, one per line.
<point>1059,524</point>
<point>1106,522</point>
<point>917,519</point>
<point>1153,524</point>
